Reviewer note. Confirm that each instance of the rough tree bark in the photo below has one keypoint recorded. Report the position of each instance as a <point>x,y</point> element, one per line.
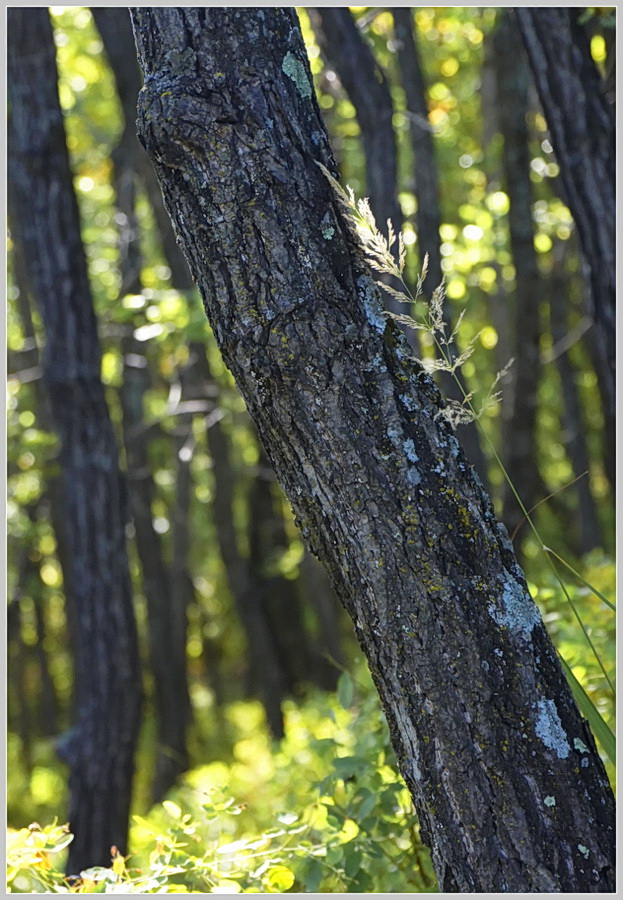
<point>509,788</point>
<point>582,129</point>
<point>46,225</point>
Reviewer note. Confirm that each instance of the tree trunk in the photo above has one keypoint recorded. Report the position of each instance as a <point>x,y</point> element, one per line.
<point>582,130</point>
<point>266,676</point>
<point>428,215</point>
<point>277,596</point>
<point>510,790</point>
<point>166,611</point>
<point>519,424</point>
<point>365,83</point>
<point>167,646</point>
<point>113,24</point>
<point>46,225</point>
<point>368,89</point>
<point>572,425</point>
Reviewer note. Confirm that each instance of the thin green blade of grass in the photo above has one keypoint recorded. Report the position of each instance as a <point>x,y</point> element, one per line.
<point>599,727</point>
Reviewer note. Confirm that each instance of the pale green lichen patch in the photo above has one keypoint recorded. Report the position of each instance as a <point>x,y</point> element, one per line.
<point>584,851</point>
<point>549,729</point>
<point>294,69</point>
<point>518,610</point>
<point>550,801</point>
<point>326,228</point>
<point>580,746</point>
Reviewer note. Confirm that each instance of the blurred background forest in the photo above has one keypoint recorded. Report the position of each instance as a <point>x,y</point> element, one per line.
<point>433,114</point>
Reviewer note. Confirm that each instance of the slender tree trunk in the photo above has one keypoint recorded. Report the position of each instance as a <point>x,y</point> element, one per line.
<point>366,84</point>
<point>277,596</point>
<point>167,647</point>
<point>113,24</point>
<point>509,788</point>
<point>519,449</point>
<point>46,224</point>
<point>167,635</point>
<point>573,429</point>
<point>428,215</point>
<point>582,130</point>
<point>266,676</point>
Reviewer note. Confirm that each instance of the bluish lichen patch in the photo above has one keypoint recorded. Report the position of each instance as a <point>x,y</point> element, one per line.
<point>413,476</point>
<point>454,445</point>
<point>584,851</point>
<point>394,434</point>
<point>408,402</point>
<point>372,306</point>
<point>580,746</point>
<point>549,728</point>
<point>518,610</point>
<point>294,69</point>
<point>409,448</point>
<point>550,801</point>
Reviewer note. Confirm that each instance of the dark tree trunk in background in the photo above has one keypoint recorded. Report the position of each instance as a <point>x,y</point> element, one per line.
<point>266,676</point>
<point>428,215</point>
<point>573,430</point>
<point>364,81</point>
<point>582,129</point>
<point>167,646</point>
<point>277,595</point>
<point>166,612</point>
<point>113,24</point>
<point>520,409</point>
<point>350,56</point>
<point>608,448</point>
<point>486,732</point>
<point>46,225</point>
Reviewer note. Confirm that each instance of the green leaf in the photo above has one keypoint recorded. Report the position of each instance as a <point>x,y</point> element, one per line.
<point>313,876</point>
<point>349,831</point>
<point>367,804</point>
<point>172,809</point>
<point>279,878</point>
<point>352,862</point>
<point>345,690</point>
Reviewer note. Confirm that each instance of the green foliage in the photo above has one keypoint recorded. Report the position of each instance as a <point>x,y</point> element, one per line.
<point>348,826</point>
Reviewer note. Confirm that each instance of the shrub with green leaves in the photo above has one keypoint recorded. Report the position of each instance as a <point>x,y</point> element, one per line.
<point>347,825</point>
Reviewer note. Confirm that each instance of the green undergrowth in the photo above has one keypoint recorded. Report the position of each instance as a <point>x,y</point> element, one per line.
<point>322,811</point>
